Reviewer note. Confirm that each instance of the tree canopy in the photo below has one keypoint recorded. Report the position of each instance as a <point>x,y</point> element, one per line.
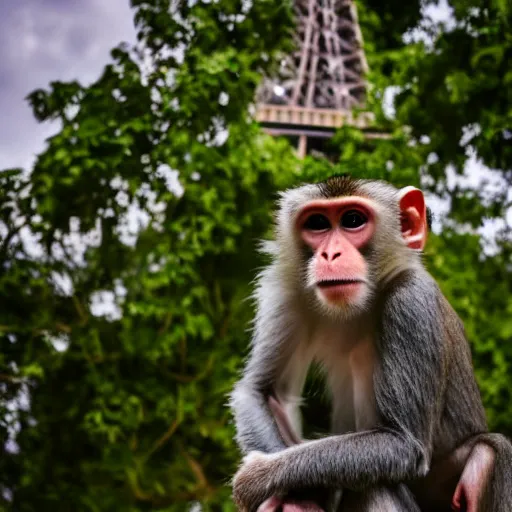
<point>127,252</point>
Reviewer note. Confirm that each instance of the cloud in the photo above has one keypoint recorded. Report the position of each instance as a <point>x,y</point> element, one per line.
<point>45,41</point>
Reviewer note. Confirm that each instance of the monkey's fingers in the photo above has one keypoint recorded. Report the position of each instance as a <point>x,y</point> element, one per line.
<point>464,499</point>
<point>471,485</point>
<point>271,505</point>
<point>458,499</point>
<point>302,506</point>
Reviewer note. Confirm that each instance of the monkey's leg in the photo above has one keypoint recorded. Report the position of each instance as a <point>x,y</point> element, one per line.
<point>475,477</point>
<point>379,499</point>
<point>485,483</point>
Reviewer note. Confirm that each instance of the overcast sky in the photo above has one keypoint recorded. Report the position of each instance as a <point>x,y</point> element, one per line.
<point>46,40</point>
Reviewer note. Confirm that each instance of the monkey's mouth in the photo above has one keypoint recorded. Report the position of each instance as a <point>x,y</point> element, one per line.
<point>328,283</point>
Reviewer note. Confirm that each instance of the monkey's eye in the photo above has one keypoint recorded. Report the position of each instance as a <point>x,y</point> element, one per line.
<point>353,219</point>
<point>317,222</point>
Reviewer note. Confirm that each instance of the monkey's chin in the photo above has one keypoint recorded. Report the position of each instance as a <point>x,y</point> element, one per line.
<point>343,297</point>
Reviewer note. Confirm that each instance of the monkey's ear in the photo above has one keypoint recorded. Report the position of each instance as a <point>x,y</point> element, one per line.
<point>413,217</point>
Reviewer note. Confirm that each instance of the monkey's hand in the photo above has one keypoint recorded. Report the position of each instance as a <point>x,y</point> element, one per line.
<point>253,490</point>
<point>252,483</point>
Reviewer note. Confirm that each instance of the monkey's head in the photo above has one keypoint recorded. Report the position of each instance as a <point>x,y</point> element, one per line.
<point>343,238</point>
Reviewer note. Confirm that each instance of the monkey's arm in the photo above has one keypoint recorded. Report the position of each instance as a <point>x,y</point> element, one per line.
<point>255,425</point>
<point>409,386</point>
<point>277,364</point>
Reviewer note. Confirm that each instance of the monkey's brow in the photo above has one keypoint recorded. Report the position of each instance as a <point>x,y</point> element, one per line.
<point>338,185</point>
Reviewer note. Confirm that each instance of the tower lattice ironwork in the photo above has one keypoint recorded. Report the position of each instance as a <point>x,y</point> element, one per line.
<point>322,81</point>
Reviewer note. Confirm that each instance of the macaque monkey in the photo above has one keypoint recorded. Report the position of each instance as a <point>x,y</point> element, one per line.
<point>347,289</point>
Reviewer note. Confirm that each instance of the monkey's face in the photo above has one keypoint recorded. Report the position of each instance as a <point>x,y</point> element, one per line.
<point>337,231</point>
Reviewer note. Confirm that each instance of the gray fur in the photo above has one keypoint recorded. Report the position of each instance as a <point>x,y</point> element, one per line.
<point>423,402</point>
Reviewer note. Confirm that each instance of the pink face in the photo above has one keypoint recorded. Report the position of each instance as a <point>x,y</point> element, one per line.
<point>336,230</point>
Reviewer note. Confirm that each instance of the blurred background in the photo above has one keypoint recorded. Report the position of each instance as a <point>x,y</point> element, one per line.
<point>142,145</point>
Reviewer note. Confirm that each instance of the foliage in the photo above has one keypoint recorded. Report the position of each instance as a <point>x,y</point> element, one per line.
<point>454,102</point>
<point>127,411</point>
<point>152,197</point>
<point>463,82</point>
<point>433,130</point>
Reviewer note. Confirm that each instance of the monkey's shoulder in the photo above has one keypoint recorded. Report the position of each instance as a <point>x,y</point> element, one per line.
<point>414,304</point>
<point>416,290</point>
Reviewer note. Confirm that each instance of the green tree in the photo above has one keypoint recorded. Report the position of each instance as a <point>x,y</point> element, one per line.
<point>454,102</point>
<point>127,409</point>
<point>153,196</point>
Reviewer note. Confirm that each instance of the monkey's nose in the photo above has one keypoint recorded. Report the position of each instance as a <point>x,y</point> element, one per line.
<point>333,257</point>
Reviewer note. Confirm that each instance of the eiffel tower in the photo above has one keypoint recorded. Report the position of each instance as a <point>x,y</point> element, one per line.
<point>321,82</point>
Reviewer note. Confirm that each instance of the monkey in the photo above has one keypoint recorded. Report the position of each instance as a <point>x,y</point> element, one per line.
<point>347,288</point>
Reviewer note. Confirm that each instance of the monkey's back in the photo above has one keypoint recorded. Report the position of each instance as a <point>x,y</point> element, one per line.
<point>461,419</point>
<point>463,414</point>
